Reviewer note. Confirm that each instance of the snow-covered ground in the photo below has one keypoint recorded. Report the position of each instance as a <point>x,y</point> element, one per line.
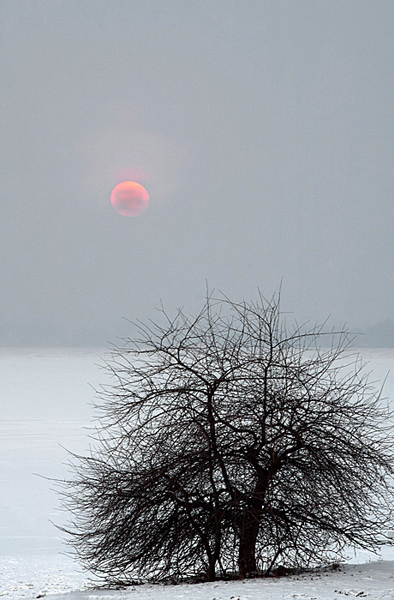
<point>45,402</point>
<point>57,580</point>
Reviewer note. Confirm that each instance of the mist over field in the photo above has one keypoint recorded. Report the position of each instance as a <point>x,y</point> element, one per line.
<point>263,132</point>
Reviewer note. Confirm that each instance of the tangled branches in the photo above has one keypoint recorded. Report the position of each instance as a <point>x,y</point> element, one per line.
<point>228,443</point>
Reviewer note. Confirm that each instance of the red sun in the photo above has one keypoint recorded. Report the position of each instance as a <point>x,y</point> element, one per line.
<point>129,198</point>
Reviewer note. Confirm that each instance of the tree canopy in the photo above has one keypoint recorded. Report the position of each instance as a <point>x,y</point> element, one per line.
<point>231,442</point>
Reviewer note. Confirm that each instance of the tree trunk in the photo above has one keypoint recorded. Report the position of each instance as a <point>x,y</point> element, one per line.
<point>214,555</point>
<point>210,575</point>
<point>249,529</point>
<point>247,545</point>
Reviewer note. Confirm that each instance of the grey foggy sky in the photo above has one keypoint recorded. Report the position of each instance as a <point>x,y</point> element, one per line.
<point>266,132</point>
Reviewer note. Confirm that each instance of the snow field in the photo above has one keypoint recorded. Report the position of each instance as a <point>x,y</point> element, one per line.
<point>50,579</point>
<point>46,404</point>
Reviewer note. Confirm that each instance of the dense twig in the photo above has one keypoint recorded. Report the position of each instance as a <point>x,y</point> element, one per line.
<point>227,442</point>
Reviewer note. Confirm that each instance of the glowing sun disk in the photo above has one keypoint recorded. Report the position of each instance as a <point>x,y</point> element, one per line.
<point>129,198</point>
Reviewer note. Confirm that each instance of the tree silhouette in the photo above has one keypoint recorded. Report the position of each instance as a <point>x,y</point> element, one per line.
<point>228,442</point>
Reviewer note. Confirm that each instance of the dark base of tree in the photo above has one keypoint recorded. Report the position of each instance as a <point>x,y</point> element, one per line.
<point>247,557</point>
<point>279,571</point>
<point>247,567</point>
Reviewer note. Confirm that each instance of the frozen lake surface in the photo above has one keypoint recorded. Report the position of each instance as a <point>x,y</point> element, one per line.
<point>46,398</point>
<point>46,406</point>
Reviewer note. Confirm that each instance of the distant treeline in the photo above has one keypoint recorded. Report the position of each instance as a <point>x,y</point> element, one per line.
<point>380,335</point>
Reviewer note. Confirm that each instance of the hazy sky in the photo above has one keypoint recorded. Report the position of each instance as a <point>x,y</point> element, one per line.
<point>265,129</point>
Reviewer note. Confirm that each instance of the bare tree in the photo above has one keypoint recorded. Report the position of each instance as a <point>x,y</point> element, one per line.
<point>228,442</point>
